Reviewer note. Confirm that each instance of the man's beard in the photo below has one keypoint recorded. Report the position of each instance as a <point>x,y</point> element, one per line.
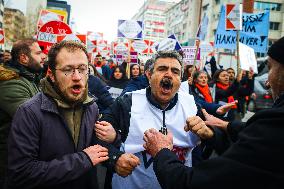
<point>66,98</point>
<point>35,66</point>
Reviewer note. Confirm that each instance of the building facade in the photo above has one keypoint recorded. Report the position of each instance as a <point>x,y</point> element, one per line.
<point>153,14</point>
<point>61,7</point>
<point>212,8</point>
<point>182,20</point>
<point>1,13</point>
<point>14,22</point>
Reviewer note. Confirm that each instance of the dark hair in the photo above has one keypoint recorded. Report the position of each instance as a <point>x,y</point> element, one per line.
<point>122,70</point>
<point>185,74</point>
<point>22,47</point>
<point>216,75</point>
<point>131,69</point>
<point>70,46</point>
<point>148,64</point>
<point>167,54</point>
<point>230,69</point>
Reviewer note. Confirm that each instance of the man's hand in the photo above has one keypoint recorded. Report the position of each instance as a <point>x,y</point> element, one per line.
<point>214,121</point>
<point>225,108</point>
<point>196,125</point>
<point>97,154</point>
<point>105,131</point>
<point>126,164</point>
<point>156,141</point>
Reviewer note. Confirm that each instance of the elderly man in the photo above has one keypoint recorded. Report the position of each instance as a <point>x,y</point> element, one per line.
<point>255,160</point>
<point>158,106</point>
<point>52,143</point>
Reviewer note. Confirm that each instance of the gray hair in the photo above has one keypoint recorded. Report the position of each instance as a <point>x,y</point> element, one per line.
<point>166,54</point>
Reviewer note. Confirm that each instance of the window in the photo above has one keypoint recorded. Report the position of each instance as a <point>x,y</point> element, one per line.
<point>274,25</point>
<point>217,2</point>
<point>267,6</point>
<point>184,26</point>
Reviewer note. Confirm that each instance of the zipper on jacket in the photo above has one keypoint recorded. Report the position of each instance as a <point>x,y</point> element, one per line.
<point>164,129</point>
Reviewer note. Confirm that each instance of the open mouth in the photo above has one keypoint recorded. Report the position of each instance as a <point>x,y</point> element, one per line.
<point>76,89</point>
<point>166,85</point>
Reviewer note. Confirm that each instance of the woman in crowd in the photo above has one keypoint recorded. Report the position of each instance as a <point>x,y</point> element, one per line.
<point>224,91</point>
<point>118,78</point>
<point>134,71</point>
<point>200,86</point>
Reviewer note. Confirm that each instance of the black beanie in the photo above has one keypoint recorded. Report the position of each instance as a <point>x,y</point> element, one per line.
<point>276,51</point>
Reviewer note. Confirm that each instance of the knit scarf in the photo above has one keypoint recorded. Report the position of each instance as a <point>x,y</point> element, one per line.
<point>205,91</point>
<point>230,98</point>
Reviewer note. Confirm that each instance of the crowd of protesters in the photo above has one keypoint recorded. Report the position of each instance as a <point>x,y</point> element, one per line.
<point>62,126</point>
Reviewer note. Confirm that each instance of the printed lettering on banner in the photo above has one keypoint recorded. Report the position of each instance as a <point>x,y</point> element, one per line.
<point>254,32</point>
<point>189,54</point>
<point>48,33</point>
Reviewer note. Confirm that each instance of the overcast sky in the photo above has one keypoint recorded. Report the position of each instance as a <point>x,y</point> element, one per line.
<point>102,15</point>
<point>96,15</point>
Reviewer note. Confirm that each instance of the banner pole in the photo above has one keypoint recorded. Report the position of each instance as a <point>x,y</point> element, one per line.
<point>238,53</point>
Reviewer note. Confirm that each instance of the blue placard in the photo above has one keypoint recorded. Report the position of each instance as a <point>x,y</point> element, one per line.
<point>254,33</point>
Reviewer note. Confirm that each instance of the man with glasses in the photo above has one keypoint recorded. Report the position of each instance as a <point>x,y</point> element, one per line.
<point>51,143</point>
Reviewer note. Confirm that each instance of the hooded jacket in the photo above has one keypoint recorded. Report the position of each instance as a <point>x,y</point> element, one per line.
<point>17,85</point>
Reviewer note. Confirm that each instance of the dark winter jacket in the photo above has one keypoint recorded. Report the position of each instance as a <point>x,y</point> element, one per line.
<point>17,85</point>
<point>42,152</point>
<point>255,160</point>
<point>137,83</point>
<point>99,89</point>
<point>118,83</point>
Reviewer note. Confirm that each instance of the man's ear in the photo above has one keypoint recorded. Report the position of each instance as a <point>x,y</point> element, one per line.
<point>50,75</point>
<point>148,74</point>
<point>24,59</point>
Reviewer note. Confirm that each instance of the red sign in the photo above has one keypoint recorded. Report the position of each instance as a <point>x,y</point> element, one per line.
<point>48,33</point>
<point>81,38</point>
<point>2,36</point>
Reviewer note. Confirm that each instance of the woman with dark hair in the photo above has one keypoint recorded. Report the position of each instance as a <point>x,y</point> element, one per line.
<point>135,71</point>
<point>118,78</point>
<point>187,72</point>
<point>224,91</point>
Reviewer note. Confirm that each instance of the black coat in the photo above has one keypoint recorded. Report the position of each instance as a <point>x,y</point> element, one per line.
<point>41,150</point>
<point>255,160</point>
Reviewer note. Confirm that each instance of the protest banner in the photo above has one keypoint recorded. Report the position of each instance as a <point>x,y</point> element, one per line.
<point>189,55</point>
<point>115,92</point>
<point>47,16</point>
<point>168,44</point>
<point>91,46</point>
<point>133,58</point>
<point>233,19</point>
<point>130,29</point>
<point>2,36</point>
<point>254,32</point>
<point>81,38</point>
<point>48,33</point>
<point>247,58</point>
<point>142,46</point>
